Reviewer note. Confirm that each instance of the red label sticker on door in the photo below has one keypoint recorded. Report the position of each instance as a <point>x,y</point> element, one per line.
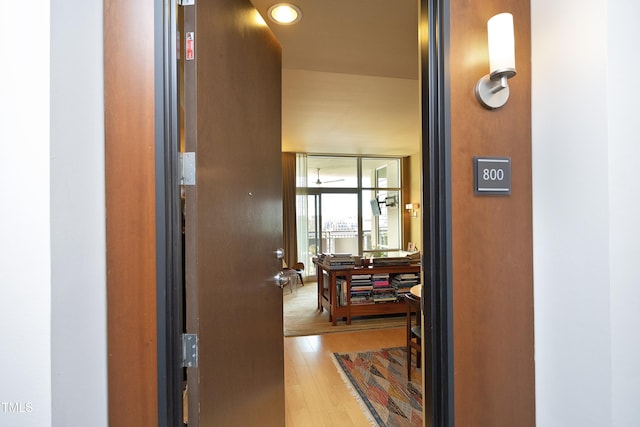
<point>189,46</point>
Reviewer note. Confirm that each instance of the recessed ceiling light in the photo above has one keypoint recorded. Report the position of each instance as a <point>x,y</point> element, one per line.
<point>284,13</point>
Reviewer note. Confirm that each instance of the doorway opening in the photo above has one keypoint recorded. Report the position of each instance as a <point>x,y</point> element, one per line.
<point>435,187</point>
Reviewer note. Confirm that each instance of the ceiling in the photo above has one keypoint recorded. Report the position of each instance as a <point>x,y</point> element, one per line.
<point>350,77</point>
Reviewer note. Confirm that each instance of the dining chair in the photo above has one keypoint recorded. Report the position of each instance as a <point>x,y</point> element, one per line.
<point>414,331</point>
<point>299,268</point>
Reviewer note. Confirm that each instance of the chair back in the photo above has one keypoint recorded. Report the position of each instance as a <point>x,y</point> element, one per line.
<point>413,304</point>
<point>414,330</point>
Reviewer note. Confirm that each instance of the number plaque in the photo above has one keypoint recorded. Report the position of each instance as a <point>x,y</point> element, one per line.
<point>492,175</point>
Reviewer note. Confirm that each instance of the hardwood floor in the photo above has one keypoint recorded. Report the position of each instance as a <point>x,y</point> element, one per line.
<point>315,394</point>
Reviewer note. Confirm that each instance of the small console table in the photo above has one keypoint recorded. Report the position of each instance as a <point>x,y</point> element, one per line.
<point>328,295</point>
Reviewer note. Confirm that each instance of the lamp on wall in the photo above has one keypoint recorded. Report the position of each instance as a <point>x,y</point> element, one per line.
<point>412,208</point>
<point>492,89</point>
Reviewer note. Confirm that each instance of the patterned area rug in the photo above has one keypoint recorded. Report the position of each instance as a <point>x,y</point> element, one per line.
<point>379,381</point>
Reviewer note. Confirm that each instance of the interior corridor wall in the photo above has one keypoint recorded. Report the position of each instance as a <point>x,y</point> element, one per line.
<point>52,275</point>
<point>585,210</point>
<point>25,254</point>
<point>623,34</point>
<point>78,272</point>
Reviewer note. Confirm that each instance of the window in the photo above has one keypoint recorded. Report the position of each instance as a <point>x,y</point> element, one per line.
<point>348,204</point>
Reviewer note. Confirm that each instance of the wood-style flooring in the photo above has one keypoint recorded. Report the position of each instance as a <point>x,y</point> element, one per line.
<point>315,394</point>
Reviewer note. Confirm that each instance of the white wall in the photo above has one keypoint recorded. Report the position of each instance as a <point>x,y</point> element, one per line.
<point>25,370</point>
<point>52,267</point>
<point>78,271</point>
<point>585,202</point>
<point>624,207</point>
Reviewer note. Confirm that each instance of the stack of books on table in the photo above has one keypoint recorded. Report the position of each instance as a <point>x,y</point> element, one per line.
<point>397,258</point>
<point>391,261</point>
<point>337,261</point>
<point>382,289</point>
<point>361,289</point>
<point>403,282</point>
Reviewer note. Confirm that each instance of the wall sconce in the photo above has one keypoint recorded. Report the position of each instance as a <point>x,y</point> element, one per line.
<point>492,89</point>
<point>412,208</point>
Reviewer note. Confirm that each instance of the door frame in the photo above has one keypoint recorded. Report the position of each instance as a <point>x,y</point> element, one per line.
<point>436,192</point>
<point>436,185</point>
<point>169,236</point>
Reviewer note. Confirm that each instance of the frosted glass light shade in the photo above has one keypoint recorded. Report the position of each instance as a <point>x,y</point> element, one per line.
<point>502,58</point>
<point>492,90</point>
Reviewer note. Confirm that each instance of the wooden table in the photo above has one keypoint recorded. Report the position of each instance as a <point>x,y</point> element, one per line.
<point>328,297</point>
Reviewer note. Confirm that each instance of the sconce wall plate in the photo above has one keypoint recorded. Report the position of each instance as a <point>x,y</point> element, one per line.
<point>492,94</point>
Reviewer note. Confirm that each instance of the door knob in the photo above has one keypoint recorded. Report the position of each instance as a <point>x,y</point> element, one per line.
<point>279,253</point>
<point>281,280</point>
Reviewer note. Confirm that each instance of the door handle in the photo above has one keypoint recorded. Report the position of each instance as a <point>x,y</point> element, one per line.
<point>279,253</point>
<point>281,280</point>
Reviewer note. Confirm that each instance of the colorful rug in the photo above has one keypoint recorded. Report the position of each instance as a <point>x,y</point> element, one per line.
<point>379,381</point>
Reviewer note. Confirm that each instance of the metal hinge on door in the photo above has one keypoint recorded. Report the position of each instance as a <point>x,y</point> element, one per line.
<point>186,2</point>
<point>189,350</point>
<point>188,168</point>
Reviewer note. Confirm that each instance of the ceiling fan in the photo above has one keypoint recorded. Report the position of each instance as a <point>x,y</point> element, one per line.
<point>319,182</point>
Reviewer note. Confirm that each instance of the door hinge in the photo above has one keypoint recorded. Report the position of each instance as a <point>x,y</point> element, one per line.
<point>188,168</point>
<point>189,350</point>
<point>186,2</point>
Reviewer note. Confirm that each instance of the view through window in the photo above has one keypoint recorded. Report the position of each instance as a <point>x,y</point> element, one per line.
<point>348,204</point>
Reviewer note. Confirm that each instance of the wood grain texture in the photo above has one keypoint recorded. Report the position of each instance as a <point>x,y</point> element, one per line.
<point>130,204</point>
<point>491,235</point>
<point>316,394</point>
<point>233,218</point>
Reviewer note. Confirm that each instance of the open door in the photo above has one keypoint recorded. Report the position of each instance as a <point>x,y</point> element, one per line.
<point>233,214</point>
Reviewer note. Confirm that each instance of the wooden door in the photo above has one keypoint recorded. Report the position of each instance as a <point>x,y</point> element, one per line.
<point>233,215</point>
